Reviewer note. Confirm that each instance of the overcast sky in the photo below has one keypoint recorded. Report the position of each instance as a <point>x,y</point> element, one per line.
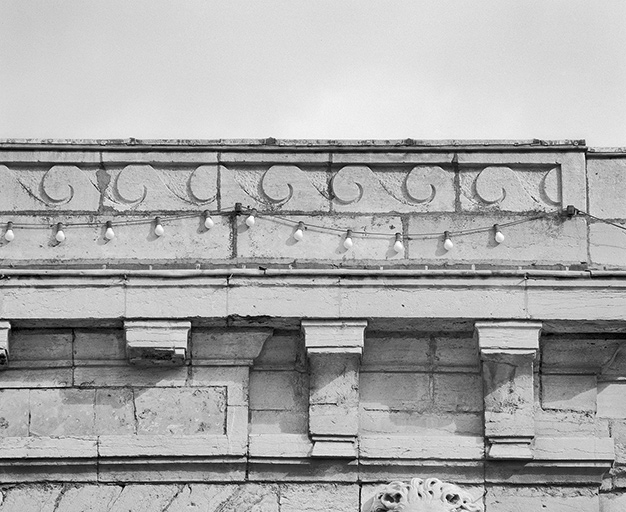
<point>314,69</point>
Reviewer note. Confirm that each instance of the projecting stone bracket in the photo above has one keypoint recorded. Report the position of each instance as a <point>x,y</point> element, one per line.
<point>507,351</point>
<point>157,342</point>
<point>334,349</point>
<point>5,327</point>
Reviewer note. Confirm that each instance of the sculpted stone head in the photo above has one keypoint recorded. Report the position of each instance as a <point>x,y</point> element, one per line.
<point>430,495</point>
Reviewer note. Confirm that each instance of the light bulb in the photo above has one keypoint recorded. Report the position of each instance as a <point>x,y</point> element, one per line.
<point>499,236</point>
<point>109,234</point>
<point>299,233</point>
<point>398,246</point>
<point>250,221</point>
<point>158,228</point>
<point>9,236</point>
<point>60,235</point>
<point>208,221</point>
<point>447,243</point>
<point>348,243</point>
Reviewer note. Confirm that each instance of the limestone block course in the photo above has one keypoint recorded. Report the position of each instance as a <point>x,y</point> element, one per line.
<point>278,391</point>
<point>32,346</point>
<point>115,411</point>
<point>103,346</point>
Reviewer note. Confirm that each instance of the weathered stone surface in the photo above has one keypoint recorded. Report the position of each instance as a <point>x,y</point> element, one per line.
<point>14,412</point>
<point>612,400</point>
<point>308,497</point>
<point>274,422</point>
<point>180,411</point>
<point>36,378</point>
<point>569,392</point>
<point>41,497</point>
<point>420,423</point>
<point>395,350</point>
<point>283,350</point>
<point>115,411</point>
<point>62,412</point>
<point>395,391</point>
<point>98,345</point>
<point>612,502</point>
<point>572,354</point>
<point>144,498</point>
<point>456,352</point>
<point>606,187</point>
<point>41,345</point>
<point>92,498</point>
<point>228,346</point>
<point>124,376</point>
<point>570,424</point>
<point>605,249</point>
<point>278,391</point>
<point>319,244</point>
<point>525,243</point>
<point>553,499</point>
<point>458,392</point>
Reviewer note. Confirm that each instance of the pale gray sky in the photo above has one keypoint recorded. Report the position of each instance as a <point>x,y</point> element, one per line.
<point>314,69</point>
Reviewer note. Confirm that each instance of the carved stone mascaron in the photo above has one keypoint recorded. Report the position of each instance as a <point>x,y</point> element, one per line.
<point>430,495</point>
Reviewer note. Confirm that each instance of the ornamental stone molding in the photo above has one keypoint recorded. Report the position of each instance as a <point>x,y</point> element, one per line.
<point>334,349</point>
<point>507,351</point>
<point>156,342</point>
<point>418,495</point>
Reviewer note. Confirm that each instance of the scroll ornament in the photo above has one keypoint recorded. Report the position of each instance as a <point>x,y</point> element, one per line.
<point>430,495</point>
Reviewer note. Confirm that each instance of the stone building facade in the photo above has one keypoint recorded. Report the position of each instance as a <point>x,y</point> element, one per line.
<point>282,326</point>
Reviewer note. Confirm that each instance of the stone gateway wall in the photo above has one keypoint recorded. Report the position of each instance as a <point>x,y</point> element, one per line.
<point>235,365</point>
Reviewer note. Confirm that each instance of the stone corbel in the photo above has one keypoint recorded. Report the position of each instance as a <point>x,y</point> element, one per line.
<point>507,351</point>
<point>5,327</point>
<point>334,349</point>
<point>156,342</point>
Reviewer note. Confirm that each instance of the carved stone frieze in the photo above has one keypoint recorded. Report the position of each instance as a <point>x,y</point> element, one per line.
<point>418,495</point>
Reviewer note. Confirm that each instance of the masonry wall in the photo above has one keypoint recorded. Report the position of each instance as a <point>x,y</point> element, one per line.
<point>234,425</point>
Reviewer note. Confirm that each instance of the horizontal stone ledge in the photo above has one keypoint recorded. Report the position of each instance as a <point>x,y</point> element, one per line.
<point>421,447</point>
<point>170,446</point>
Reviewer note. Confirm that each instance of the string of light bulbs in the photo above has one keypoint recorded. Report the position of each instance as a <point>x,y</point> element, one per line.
<point>251,215</point>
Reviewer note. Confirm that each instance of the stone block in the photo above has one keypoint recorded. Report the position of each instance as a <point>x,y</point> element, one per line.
<point>570,354</point>
<point>228,346</point>
<point>42,345</point>
<point>94,498</point>
<point>456,352</point>
<point>36,378</point>
<point>62,412</point>
<point>273,239</point>
<point>458,392</point>
<point>334,379</point>
<point>606,187</point>
<point>274,422</point>
<point>419,423</point>
<point>144,498</point>
<point>333,420</point>
<point>545,241</point>
<point>234,378</point>
<point>554,499</point>
<point>40,497</point>
<point>395,350</point>
<point>157,342</point>
<point>569,392</point>
<point>612,400</point>
<point>611,502</point>
<point>279,391</point>
<point>115,411</point>
<point>125,376</point>
<point>553,423</point>
<point>606,249</point>
<point>618,433</point>
<point>395,391</point>
<point>91,346</point>
<point>181,411</point>
<point>316,497</point>
<point>284,350</point>
<point>14,412</point>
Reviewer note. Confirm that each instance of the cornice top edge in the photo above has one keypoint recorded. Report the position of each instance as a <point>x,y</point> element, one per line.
<point>271,144</point>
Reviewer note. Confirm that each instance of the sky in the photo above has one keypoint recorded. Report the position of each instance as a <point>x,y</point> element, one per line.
<point>422,69</point>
